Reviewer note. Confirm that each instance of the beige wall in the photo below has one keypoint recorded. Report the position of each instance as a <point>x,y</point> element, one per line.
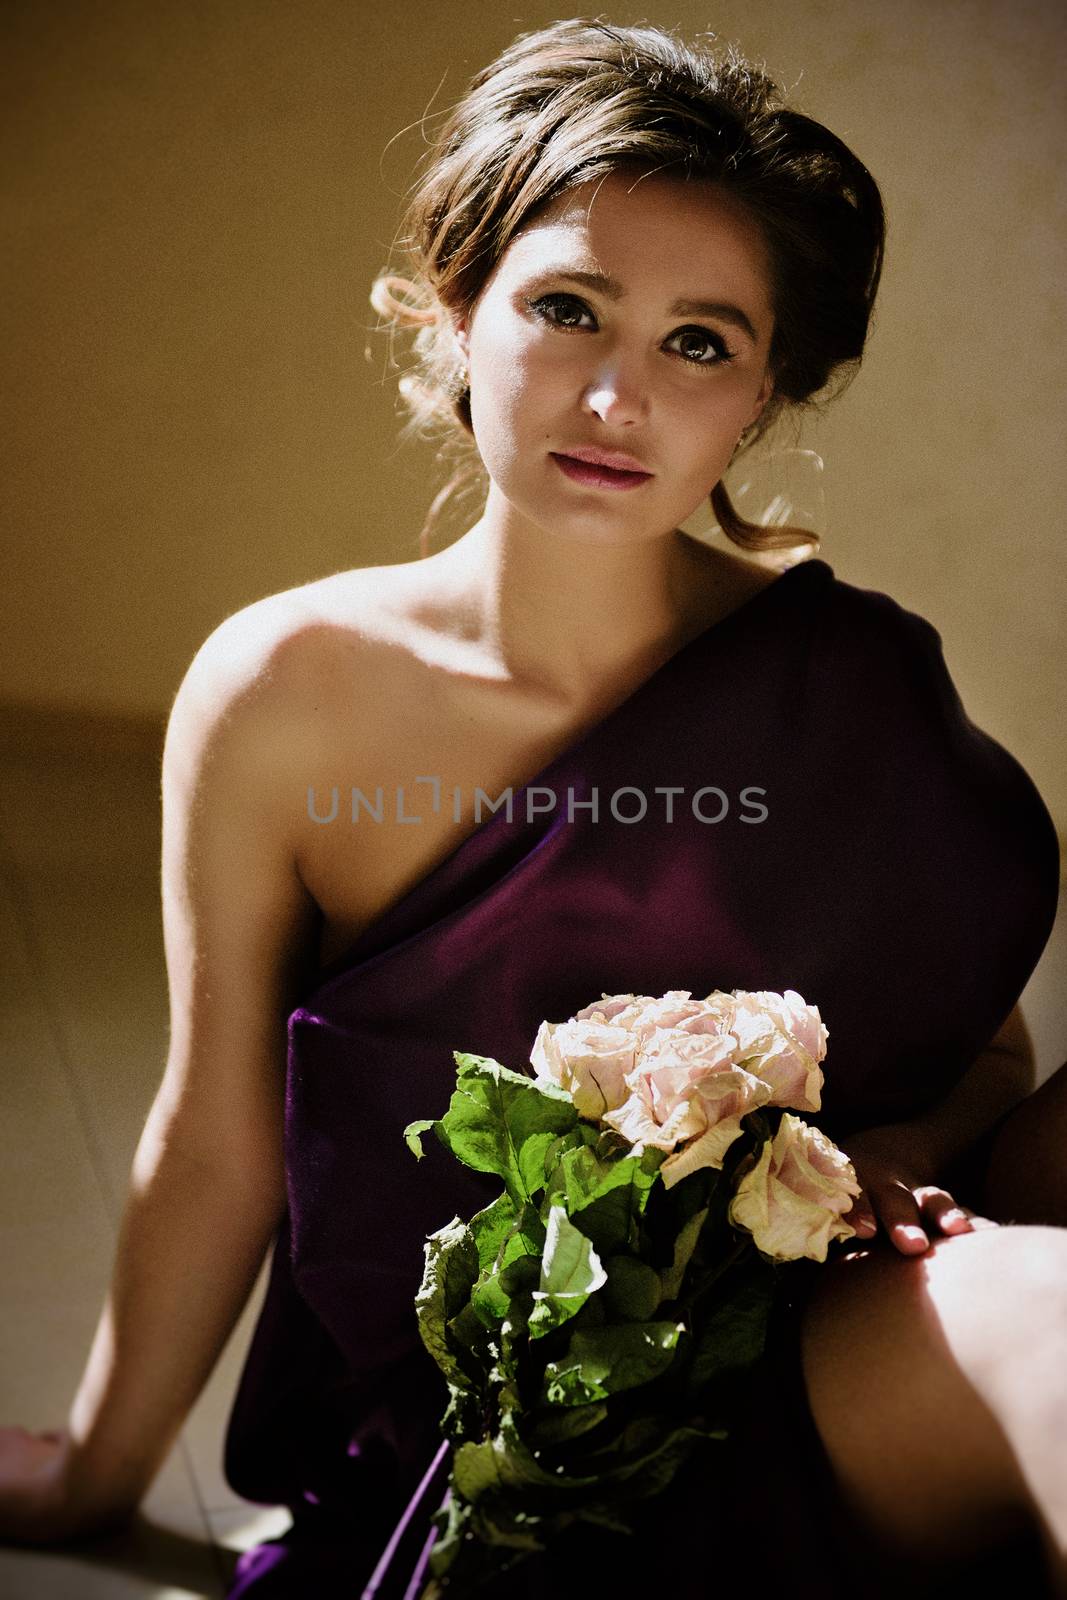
<point>199,195</point>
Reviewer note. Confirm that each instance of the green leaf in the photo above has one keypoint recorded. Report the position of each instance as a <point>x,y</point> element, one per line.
<point>647,1455</point>
<point>474,1469</point>
<point>466,1060</point>
<point>671,1277</point>
<point>499,1121</point>
<point>570,1272</point>
<point>475,1546</point>
<point>490,1227</point>
<point>731,1333</point>
<point>467,1337</point>
<point>462,1415</point>
<point>610,1144</point>
<point>518,1281</point>
<point>606,1197</point>
<point>633,1290</point>
<point>603,1361</point>
<point>521,1276</point>
<point>412,1133</point>
<point>587,1176</point>
<point>524,1237</point>
<point>449,1274</point>
<point>582,1133</point>
<point>558,1426</point>
<point>505,1462</point>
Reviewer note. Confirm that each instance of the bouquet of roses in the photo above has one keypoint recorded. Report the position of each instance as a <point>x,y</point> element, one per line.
<point>593,1321</point>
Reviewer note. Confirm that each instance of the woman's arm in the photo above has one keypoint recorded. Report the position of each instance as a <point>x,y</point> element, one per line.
<point>207,1186</point>
<point>902,1165</point>
<point>998,1079</point>
<point>1026,1174</point>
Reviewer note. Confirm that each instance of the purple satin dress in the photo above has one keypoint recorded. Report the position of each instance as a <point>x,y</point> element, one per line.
<point>890,861</point>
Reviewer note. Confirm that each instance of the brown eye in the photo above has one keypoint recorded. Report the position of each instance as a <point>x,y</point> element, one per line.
<point>551,301</point>
<point>548,305</point>
<point>706,338</point>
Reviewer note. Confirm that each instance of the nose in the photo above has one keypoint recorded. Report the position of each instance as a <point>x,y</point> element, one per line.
<point>614,399</point>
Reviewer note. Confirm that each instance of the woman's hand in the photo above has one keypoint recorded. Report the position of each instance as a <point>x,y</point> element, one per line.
<point>37,1503</point>
<point>900,1192</point>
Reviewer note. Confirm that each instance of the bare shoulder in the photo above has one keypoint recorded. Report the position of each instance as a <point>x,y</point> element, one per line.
<point>282,635</point>
<point>277,664</point>
<point>242,926</point>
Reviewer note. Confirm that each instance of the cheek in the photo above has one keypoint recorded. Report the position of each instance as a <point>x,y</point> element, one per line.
<point>511,371</point>
<point>707,424</point>
<point>537,369</point>
<point>512,408</point>
<point>523,394</point>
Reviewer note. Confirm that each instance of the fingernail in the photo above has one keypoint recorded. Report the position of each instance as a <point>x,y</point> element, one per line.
<point>913,1235</point>
<point>955,1216</point>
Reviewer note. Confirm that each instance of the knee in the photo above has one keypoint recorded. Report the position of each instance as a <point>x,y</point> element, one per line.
<point>1018,1271</point>
<point>1010,1332</point>
<point>915,1367</point>
<point>990,1302</point>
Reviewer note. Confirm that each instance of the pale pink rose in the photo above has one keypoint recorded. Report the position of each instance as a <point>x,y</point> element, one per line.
<point>721,1100</point>
<point>686,1096</point>
<point>589,1059</point>
<point>693,1043</point>
<point>680,1073</point>
<point>792,1199</point>
<point>607,1008</point>
<point>781,1039</point>
<point>643,1014</point>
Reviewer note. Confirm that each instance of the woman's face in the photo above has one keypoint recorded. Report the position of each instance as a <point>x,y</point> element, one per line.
<point>556,366</point>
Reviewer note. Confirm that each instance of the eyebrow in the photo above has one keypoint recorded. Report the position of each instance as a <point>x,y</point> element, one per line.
<point>681,308</point>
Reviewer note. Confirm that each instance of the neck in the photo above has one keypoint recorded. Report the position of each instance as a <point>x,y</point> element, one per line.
<point>563,615</point>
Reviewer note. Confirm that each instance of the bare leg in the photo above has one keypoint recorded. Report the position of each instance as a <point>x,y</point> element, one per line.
<point>937,1385</point>
<point>1026,1178</point>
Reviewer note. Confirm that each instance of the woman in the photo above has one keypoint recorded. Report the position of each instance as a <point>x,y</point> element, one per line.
<point>632,254</point>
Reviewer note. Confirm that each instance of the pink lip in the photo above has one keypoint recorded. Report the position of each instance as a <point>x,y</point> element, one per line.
<point>597,476</point>
<point>605,458</point>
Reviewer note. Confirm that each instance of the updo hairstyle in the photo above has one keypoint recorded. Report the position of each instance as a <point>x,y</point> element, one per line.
<point>580,99</point>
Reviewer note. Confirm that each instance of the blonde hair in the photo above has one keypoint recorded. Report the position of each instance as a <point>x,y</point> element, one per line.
<point>578,100</point>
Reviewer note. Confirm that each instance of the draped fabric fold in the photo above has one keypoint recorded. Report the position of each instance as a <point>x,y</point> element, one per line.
<point>797,799</point>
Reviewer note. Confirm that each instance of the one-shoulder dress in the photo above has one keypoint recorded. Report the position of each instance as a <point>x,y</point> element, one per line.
<point>795,799</point>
